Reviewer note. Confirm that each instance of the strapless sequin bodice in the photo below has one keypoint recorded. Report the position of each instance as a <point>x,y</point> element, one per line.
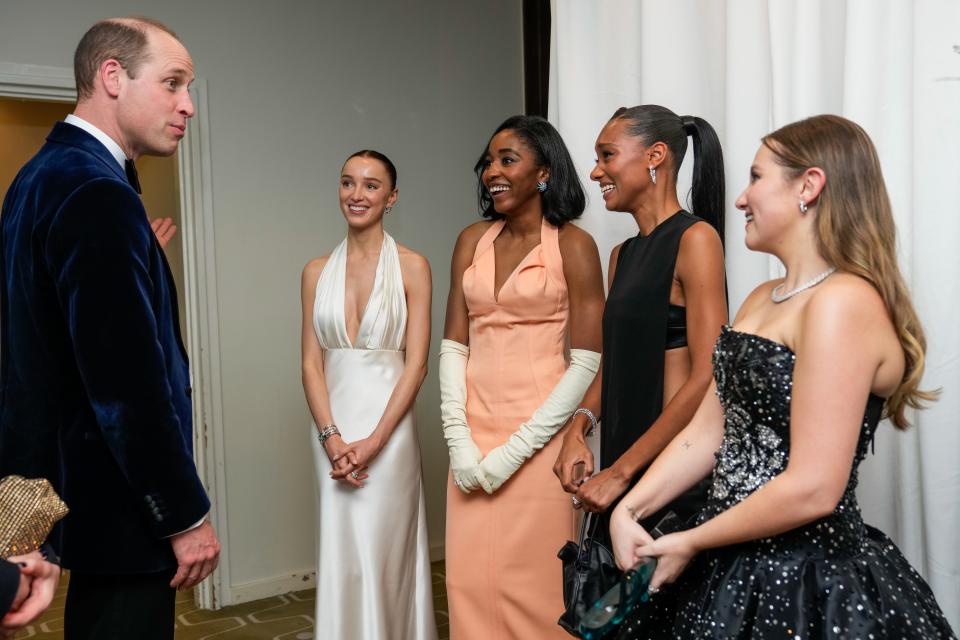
<point>754,378</point>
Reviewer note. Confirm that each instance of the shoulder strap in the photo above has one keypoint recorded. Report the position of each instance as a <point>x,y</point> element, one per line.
<point>486,240</point>
<point>550,247</point>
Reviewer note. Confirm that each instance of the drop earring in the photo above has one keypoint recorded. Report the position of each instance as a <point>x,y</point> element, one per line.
<point>803,207</point>
<point>653,174</point>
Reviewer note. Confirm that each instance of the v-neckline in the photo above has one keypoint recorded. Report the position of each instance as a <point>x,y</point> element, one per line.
<point>373,290</point>
<point>493,247</point>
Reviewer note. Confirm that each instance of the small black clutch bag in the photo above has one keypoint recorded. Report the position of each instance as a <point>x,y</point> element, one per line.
<point>609,611</point>
<point>589,571</point>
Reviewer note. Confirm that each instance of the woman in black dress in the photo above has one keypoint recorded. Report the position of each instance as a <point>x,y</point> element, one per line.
<point>666,303</point>
<point>813,362</point>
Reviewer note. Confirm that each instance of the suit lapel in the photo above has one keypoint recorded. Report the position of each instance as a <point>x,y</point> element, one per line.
<point>67,134</point>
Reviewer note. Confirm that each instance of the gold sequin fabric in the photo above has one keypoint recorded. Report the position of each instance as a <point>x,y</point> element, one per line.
<point>835,577</point>
<point>28,511</point>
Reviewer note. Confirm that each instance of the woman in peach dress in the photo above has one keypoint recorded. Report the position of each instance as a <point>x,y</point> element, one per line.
<point>522,341</point>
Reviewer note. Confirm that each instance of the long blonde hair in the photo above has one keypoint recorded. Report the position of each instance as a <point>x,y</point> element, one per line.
<point>855,231</point>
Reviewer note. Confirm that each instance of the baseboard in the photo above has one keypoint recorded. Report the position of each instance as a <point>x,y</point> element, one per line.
<point>269,587</point>
<point>296,581</point>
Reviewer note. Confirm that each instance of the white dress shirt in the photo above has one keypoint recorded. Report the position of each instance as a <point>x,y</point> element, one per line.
<point>104,139</point>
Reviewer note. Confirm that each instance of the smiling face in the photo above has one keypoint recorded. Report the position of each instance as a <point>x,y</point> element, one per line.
<point>622,167</point>
<point>511,172</point>
<point>365,191</point>
<point>153,108</point>
<point>770,202</point>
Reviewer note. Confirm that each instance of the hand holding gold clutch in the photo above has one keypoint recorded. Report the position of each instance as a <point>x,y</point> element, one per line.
<point>28,511</point>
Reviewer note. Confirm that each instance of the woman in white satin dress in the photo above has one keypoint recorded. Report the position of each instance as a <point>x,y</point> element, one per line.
<point>366,335</point>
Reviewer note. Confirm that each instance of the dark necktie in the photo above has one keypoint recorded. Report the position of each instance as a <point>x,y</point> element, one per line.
<point>132,177</point>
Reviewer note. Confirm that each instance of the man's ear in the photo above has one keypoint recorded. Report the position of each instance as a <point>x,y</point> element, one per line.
<point>110,76</point>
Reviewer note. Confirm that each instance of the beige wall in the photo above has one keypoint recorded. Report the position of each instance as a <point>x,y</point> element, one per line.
<point>294,87</point>
<point>24,125</point>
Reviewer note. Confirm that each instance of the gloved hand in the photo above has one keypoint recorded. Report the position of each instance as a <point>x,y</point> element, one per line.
<point>503,461</point>
<point>465,456</point>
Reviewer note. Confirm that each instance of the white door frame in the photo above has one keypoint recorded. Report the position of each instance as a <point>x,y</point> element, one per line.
<point>199,296</point>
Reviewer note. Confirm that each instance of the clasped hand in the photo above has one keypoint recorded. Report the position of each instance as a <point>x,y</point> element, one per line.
<point>350,460</point>
<point>490,472</point>
<point>472,471</point>
<point>632,543</point>
<point>38,583</point>
<point>602,489</point>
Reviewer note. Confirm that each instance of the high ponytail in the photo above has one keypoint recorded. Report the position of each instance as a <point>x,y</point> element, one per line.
<point>653,123</point>
<point>708,190</point>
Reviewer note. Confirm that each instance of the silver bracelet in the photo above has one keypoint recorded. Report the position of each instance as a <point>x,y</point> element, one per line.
<point>593,420</point>
<point>326,431</point>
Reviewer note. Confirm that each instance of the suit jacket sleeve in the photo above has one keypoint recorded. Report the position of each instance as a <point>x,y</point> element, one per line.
<point>9,583</point>
<point>99,250</point>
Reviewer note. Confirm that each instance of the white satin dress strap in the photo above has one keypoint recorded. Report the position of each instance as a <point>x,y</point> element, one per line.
<point>384,321</point>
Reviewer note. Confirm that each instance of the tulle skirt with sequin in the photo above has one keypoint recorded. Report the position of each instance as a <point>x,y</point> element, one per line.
<point>783,588</point>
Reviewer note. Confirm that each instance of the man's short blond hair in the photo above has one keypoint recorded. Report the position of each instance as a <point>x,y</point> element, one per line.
<point>121,39</point>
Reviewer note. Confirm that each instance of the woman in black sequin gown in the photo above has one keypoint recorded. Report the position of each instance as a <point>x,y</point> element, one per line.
<point>815,361</point>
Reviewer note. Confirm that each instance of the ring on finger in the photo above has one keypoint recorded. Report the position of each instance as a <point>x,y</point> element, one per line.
<point>653,590</point>
<point>355,475</point>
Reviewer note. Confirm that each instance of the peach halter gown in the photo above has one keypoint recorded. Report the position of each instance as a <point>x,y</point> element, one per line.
<point>504,580</point>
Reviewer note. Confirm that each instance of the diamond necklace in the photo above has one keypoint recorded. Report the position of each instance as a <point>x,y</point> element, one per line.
<point>780,297</point>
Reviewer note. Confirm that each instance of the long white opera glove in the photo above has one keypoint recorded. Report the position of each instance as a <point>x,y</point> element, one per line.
<point>465,456</point>
<point>502,462</point>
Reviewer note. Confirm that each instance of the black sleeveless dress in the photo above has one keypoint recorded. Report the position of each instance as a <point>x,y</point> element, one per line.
<point>639,325</point>
<point>835,577</point>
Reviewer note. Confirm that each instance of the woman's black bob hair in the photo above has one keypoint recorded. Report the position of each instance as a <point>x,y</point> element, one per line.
<point>564,199</point>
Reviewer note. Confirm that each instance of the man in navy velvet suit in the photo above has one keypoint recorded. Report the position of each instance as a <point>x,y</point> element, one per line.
<point>94,379</point>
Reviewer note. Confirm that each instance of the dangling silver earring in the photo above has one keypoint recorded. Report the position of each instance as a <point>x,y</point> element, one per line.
<point>653,175</point>
<point>542,186</point>
<point>803,207</point>
<point>387,210</point>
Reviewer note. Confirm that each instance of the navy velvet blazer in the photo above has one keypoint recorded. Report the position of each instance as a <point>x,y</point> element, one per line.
<point>94,385</point>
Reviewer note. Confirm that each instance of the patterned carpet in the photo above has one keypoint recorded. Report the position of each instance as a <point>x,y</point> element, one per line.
<point>286,617</point>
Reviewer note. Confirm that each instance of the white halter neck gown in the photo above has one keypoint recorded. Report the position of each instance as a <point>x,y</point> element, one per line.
<point>373,570</point>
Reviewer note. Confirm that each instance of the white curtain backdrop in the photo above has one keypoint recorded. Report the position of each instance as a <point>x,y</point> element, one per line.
<point>750,66</point>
